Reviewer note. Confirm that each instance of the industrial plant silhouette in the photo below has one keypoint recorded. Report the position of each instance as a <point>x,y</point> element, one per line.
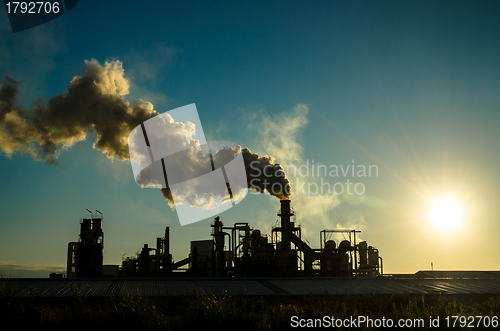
<point>240,260</point>
<point>250,254</point>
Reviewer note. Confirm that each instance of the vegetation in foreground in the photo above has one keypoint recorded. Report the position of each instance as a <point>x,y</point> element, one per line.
<point>234,312</point>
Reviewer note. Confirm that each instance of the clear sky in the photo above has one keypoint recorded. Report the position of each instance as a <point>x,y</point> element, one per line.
<point>410,87</point>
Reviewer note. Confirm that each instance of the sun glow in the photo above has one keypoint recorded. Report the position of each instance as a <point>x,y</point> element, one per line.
<point>446,214</point>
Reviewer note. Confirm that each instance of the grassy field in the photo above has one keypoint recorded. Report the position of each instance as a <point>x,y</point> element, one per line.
<point>232,312</point>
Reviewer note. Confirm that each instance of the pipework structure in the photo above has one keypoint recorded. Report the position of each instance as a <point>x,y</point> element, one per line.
<point>237,251</point>
<point>151,262</point>
<point>240,251</point>
<point>85,257</point>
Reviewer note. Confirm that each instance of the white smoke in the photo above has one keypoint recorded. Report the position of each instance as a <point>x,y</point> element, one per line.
<point>94,106</point>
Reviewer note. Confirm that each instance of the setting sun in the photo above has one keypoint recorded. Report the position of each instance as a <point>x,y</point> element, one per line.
<point>446,213</point>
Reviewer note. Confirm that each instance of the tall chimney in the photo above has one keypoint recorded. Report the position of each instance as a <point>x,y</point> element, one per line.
<point>167,241</point>
<point>287,227</point>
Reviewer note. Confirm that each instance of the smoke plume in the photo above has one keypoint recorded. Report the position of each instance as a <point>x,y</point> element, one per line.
<point>262,175</point>
<point>94,106</point>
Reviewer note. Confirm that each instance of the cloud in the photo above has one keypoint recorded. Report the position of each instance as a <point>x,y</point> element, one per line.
<point>145,64</point>
<point>147,69</point>
<point>32,57</point>
<point>278,135</point>
<point>29,270</point>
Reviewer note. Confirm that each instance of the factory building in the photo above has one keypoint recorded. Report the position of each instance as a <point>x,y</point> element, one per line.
<point>234,251</point>
<point>85,257</point>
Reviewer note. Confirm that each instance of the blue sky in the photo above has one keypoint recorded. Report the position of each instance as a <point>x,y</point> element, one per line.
<point>411,87</point>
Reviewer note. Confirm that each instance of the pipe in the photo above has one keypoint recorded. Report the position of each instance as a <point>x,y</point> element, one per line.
<point>381,266</point>
<point>286,226</point>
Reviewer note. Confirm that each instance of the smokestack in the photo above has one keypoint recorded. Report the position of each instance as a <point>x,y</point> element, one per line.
<point>167,241</point>
<point>287,227</point>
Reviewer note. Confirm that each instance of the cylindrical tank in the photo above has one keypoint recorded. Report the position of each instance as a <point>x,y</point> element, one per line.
<point>85,230</point>
<point>330,246</point>
<point>96,224</point>
<point>363,254</point>
<point>345,246</point>
<point>97,228</point>
<point>373,256</point>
